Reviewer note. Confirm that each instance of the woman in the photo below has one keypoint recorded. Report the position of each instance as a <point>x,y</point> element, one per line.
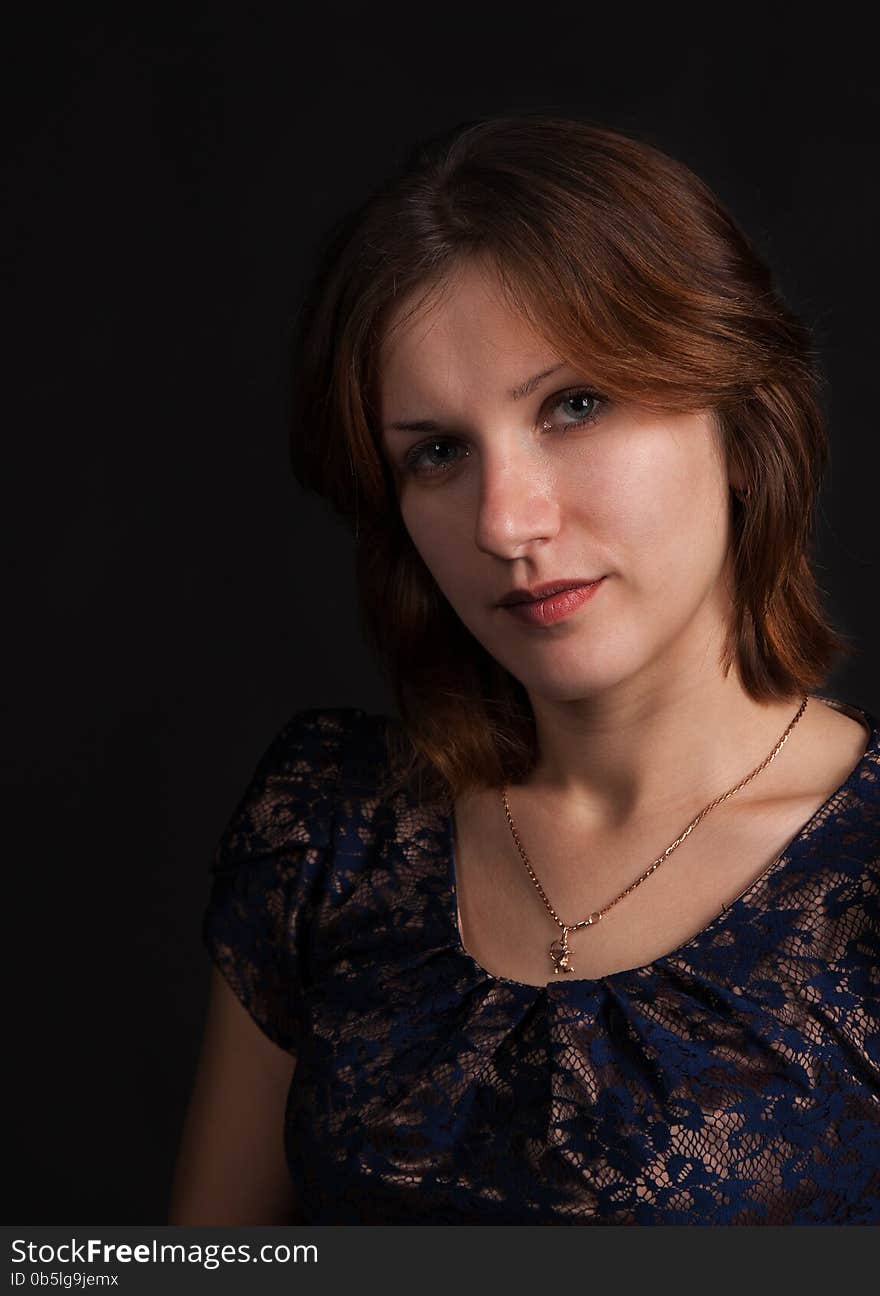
<point>589,935</point>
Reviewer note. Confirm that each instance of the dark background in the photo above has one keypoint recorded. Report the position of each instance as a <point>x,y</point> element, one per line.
<point>174,596</point>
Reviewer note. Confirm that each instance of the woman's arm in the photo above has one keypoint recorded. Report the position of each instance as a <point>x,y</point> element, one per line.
<point>230,1165</point>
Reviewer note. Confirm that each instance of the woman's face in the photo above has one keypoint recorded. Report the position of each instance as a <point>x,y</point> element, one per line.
<point>507,491</point>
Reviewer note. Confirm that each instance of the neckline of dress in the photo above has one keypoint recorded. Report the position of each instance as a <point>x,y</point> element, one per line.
<point>728,914</point>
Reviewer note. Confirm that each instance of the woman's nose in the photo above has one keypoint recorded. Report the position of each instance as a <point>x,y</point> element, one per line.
<point>518,502</point>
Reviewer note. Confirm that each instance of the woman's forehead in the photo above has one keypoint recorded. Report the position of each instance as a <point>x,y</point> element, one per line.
<point>469,330</point>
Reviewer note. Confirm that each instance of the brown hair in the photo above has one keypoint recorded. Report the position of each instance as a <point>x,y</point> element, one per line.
<point>625,261</point>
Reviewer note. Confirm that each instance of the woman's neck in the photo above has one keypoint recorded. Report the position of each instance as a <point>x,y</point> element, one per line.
<point>628,754</point>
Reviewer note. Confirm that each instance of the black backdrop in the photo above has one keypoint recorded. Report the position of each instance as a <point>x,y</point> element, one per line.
<point>174,597</point>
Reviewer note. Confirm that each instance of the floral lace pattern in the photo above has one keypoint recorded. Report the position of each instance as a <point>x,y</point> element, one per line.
<point>734,1081</point>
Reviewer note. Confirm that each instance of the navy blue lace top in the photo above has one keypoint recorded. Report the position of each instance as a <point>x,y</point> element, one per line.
<point>734,1081</point>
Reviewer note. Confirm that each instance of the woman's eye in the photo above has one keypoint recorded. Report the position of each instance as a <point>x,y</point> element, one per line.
<point>413,462</point>
<point>579,408</point>
<point>586,406</point>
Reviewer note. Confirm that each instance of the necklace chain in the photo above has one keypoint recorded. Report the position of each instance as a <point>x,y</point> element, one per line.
<point>559,950</point>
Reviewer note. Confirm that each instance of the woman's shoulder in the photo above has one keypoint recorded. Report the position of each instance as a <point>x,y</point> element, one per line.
<point>850,736</point>
<point>315,756</point>
<point>321,732</point>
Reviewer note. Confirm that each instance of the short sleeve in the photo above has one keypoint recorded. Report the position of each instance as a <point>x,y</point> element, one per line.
<point>267,867</point>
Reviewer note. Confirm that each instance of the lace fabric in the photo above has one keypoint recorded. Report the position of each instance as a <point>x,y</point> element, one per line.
<point>734,1081</point>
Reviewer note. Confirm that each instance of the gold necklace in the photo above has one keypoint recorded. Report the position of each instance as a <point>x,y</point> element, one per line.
<point>559,951</point>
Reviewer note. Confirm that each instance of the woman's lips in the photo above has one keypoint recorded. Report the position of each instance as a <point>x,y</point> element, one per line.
<point>555,607</point>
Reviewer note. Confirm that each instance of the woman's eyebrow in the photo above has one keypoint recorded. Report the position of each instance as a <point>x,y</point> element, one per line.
<point>515,393</point>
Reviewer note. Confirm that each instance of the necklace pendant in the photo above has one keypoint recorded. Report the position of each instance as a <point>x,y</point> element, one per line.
<point>559,953</point>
